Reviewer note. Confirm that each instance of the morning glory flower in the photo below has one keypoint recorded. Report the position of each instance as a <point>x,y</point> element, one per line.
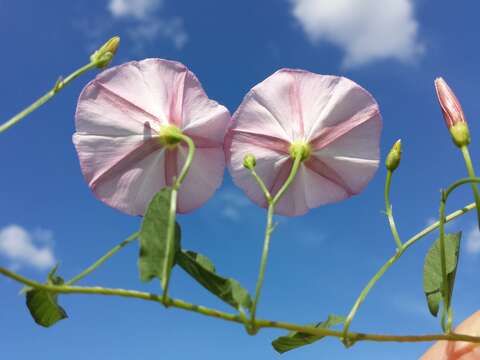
<point>120,119</point>
<point>333,118</point>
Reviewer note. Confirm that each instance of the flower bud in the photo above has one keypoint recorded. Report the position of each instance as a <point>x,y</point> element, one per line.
<point>394,156</point>
<point>452,113</point>
<point>249,161</point>
<point>104,55</point>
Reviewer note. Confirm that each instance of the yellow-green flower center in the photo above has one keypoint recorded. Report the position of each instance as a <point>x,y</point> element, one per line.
<point>300,148</point>
<point>169,136</point>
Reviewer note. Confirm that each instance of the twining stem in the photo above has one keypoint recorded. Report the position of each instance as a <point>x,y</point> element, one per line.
<point>104,258</point>
<point>170,249</point>
<point>260,323</point>
<point>269,229</point>
<point>388,210</point>
<point>447,311</point>
<point>345,334</point>
<point>471,173</point>
<point>59,85</point>
<point>443,262</point>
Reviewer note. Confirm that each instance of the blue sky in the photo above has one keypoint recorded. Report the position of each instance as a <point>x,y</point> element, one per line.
<point>318,262</point>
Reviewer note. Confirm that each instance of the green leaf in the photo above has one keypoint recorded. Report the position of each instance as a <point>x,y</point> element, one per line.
<point>153,237</point>
<point>202,269</point>
<point>432,270</point>
<point>297,339</point>
<point>43,305</point>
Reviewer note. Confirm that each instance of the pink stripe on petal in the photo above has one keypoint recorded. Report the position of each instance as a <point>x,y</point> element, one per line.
<point>261,140</point>
<point>123,102</point>
<point>176,101</point>
<point>297,111</point>
<point>280,177</point>
<point>171,159</point>
<point>127,161</point>
<point>330,134</point>
<point>321,168</point>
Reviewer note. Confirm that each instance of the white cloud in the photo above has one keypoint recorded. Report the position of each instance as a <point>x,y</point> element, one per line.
<point>472,240</point>
<point>366,30</point>
<point>138,9</point>
<point>144,24</point>
<point>22,248</point>
<point>232,205</point>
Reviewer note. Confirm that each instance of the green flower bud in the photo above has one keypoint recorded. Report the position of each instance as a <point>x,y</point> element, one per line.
<point>394,156</point>
<point>249,161</point>
<point>104,55</point>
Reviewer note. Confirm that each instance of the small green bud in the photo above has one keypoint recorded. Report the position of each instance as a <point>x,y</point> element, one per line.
<point>460,134</point>
<point>104,55</point>
<point>249,161</point>
<point>394,156</point>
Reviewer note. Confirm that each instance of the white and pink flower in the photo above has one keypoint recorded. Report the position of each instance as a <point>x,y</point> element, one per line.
<point>336,119</point>
<point>119,117</point>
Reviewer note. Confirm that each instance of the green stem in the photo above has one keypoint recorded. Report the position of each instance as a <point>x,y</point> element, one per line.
<point>268,232</point>
<point>296,165</point>
<point>180,304</point>
<point>263,264</point>
<point>170,249</point>
<point>60,84</point>
<point>388,210</point>
<point>471,173</point>
<point>104,258</point>
<point>188,161</point>
<point>361,298</point>
<point>261,184</point>
<point>447,311</point>
<point>443,262</point>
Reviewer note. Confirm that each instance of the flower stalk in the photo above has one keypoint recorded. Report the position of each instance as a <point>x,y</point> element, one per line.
<point>98,61</point>
<point>392,163</point>
<point>170,249</point>
<point>298,157</point>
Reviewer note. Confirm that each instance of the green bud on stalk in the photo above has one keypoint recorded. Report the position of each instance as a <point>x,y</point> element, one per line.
<point>104,55</point>
<point>394,156</point>
<point>249,161</point>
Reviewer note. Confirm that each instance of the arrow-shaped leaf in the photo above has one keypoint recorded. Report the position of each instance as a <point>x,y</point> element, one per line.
<point>153,237</point>
<point>202,269</point>
<point>432,270</point>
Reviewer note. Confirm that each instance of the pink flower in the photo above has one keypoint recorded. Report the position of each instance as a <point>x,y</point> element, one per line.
<point>337,120</point>
<point>118,120</point>
<point>451,108</point>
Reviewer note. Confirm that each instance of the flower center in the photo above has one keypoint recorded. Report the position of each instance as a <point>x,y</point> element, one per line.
<point>169,136</point>
<point>300,148</point>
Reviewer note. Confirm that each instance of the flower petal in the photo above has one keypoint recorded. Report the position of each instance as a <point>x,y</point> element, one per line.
<point>102,112</point>
<point>355,155</point>
<point>202,117</point>
<point>124,172</point>
<point>271,108</point>
<point>339,101</point>
<point>203,179</point>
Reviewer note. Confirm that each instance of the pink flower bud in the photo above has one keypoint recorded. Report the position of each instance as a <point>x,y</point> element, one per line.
<point>452,113</point>
<point>451,108</point>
